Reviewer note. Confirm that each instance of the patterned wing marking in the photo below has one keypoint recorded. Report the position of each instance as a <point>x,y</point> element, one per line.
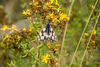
<point>42,35</point>
<point>52,37</point>
<point>46,34</point>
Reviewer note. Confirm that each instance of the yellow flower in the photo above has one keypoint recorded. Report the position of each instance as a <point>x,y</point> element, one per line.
<point>7,36</point>
<point>48,4</point>
<point>24,13</point>
<point>56,59</point>
<point>63,16</point>
<point>86,34</point>
<point>14,27</point>
<point>51,15</point>
<point>56,49</point>
<point>45,58</point>
<point>4,27</point>
<point>92,6</point>
<point>18,37</point>
<point>24,29</point>
<point>58,9</point>
<point>55,19</point>
<point>36,3</point>
<point>68,18</point>
<point>94,32</point>
<point>1,6</point>
<point>93,41</point>
<point>27,12</point>
<point>56,2</point>
<point>58,21</point>
<point>31,29</point>
<point>51,1</point>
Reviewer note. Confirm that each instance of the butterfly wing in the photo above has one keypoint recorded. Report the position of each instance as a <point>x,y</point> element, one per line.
<point>42,37</point>
<point>52,35</point>
<point>47,34</point>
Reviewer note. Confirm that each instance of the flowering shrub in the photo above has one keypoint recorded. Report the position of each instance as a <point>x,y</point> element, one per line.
<point>46,11</point>
<point>23,43</point>
<point>93,42</point>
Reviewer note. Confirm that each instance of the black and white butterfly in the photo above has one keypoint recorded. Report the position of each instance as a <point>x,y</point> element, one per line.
<point>46,34</point>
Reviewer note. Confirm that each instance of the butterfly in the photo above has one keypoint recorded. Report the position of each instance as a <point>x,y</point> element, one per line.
<point>46,34</point>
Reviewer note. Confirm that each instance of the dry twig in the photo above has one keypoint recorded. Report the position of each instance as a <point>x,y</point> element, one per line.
<point>90,39</point>
<point>82,34</point>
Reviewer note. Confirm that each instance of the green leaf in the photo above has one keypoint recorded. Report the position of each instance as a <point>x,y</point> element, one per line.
<point>40,46</point>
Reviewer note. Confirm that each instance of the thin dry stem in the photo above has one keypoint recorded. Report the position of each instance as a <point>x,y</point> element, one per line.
<point>66,28</point>
<point>65,31</point>
<point>90,39</point>
<point>82,34</point>
<point>38,58</point>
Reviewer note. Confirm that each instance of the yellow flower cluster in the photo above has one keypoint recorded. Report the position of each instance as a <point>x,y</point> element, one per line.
<point>51,15</point>
<point>49,4</point>
<point>56,3</point>
<point>51,1</point>
<point>62,17</point>
<point>58,9</point>
<point>45,58</point>
<point>5,27</point>
<point>27,12</point>
<point>94,33</point>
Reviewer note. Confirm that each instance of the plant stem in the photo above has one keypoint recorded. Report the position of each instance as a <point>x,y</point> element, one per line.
<point>82,34</point>
<point>65,31</point>
<point>90,39</point>
<point>38,53</point>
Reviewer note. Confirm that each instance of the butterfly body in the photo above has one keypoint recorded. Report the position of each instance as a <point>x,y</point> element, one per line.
<point>48,28</point>
<point>46,34</point>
